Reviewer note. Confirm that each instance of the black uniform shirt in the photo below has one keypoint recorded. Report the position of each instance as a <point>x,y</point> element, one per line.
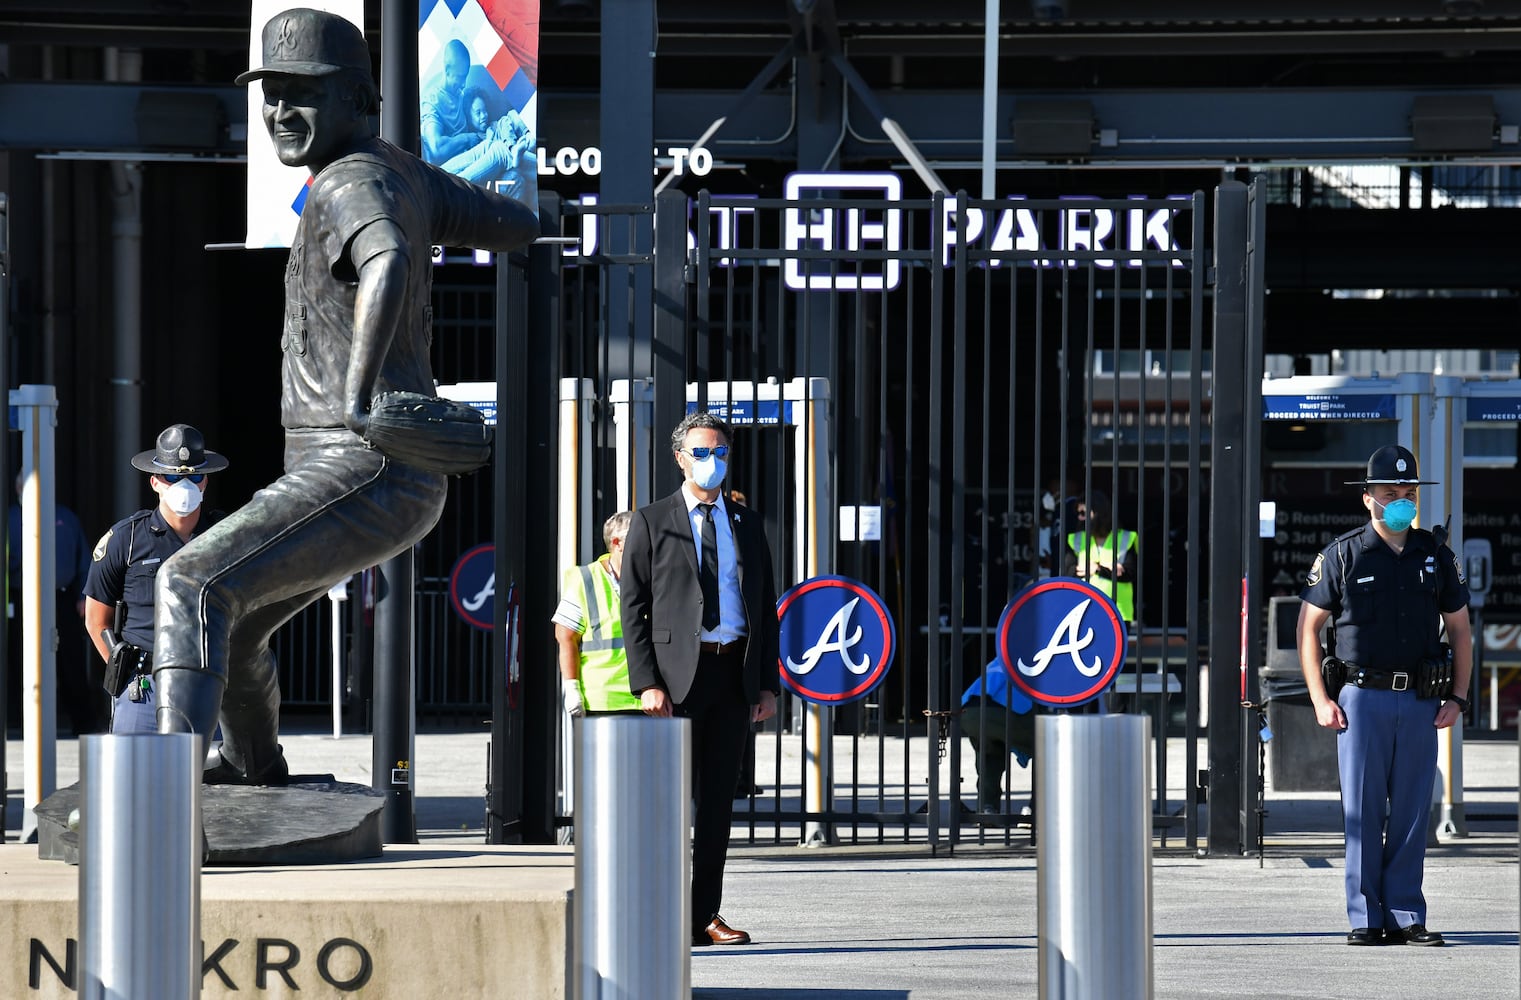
<point>1386,607</point>
<point>126,561</point>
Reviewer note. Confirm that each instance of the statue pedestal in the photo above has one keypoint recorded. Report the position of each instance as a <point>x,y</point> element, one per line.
<point>313,820</point>
<point>434,920</point>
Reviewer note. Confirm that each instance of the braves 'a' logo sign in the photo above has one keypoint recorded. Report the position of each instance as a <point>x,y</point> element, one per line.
<point>836,640</point>
<point>1064,639</point>
<point>832,640</point>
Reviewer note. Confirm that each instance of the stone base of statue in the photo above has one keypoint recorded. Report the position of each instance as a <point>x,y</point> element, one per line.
<point>313,820</point>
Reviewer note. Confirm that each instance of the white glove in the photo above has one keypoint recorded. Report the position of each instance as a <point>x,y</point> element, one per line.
<point>570,693</point>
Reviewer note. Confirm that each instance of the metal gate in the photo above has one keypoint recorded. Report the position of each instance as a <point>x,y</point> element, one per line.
<point>989,365</point>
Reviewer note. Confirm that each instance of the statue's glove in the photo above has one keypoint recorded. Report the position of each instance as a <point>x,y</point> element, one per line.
<point>437,435</point>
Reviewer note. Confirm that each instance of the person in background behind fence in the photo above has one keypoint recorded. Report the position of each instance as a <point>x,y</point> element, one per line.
<point>999,719</point>
<point>1102,556</point>
<point>589,631</point>
<point>1386,684</point>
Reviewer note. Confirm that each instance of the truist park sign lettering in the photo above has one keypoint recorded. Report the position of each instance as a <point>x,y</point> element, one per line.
<point>860,215</point>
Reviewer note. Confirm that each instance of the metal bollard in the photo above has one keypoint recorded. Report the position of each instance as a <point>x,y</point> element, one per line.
<point>140,866</point>
<point>1093,821</point>
<point>632,909</point>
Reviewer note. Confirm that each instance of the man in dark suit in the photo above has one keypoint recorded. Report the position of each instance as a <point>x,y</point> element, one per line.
<point>699,624</point>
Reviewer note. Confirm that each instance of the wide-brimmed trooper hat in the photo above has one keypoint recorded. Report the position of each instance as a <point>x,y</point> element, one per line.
<point>181,451</point>
<point>306,42</point>
<point>1392,465</point>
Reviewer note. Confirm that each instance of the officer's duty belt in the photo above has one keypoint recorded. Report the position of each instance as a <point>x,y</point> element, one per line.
<point>1379,680</point>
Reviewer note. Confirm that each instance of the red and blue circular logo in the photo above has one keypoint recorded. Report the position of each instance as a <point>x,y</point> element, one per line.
<point>836,640</point>
<point>472,586</point>
<point>1062,641</point>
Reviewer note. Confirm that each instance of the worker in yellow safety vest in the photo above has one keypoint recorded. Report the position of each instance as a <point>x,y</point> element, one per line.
<point>1103,557</point>
<point>589,631</point>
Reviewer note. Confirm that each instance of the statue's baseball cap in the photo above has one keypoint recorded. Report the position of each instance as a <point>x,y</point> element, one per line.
<point>1392,465</point>
<point>306,42</point>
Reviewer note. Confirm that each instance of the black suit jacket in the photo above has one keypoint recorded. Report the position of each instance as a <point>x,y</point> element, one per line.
<point>662,599</point>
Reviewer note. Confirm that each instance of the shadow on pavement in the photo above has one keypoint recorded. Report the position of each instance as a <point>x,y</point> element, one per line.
<point>739,993</point>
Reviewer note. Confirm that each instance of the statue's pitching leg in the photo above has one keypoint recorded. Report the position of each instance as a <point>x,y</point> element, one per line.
<point>339,508</point>
<point>188,701</point>
<point>248,753</point>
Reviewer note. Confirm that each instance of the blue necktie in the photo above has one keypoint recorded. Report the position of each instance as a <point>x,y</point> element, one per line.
<point>707,573</point>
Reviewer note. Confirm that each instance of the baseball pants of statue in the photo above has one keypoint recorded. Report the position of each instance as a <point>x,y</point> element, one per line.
<point>341,507</point>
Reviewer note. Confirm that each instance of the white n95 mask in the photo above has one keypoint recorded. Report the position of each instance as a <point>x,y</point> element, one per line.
<point>182,497</point>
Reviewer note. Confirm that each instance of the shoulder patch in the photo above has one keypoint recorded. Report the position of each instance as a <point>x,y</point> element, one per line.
<point>1315,568</point>
<point>1457,564</point>
<point>100,546</point>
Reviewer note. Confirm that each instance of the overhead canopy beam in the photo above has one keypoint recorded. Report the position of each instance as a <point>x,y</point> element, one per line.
<point>123,117</point>
<point>1131,128</point>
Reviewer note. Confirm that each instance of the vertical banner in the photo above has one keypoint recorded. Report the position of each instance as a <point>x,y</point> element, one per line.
<point>277,192</point>
<point>478,64</point>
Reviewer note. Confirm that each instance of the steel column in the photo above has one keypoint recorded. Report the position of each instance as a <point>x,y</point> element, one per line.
<point>140,866</point>
<point>1226,523</point>
<point>632,909</point>
<point>1094,868</point>
<point>393,726</point>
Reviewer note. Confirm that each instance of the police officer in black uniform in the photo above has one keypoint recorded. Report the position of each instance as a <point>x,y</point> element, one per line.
<point>1388,589</point>
<point>126,561</point>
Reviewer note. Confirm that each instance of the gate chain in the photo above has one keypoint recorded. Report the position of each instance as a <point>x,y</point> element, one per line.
<point>944,718</point>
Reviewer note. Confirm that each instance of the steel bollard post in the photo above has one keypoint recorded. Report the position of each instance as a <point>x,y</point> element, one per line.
<point>1093,822</point>
<point>140,866</point>
<point>632,909</point>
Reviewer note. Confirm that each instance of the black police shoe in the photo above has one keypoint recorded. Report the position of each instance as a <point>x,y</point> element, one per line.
<point>1366,936</point>
<point>1416,934</point>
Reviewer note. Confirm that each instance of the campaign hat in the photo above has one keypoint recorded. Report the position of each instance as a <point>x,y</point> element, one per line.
<point>1392,465</point>
<point>180,451</point>
<point>306,42</point>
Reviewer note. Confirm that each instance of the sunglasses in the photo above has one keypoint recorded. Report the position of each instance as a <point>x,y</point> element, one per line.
<point>701,454</point>
<point>197,478</point>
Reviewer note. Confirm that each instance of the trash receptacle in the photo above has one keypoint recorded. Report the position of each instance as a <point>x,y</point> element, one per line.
<point>1302,753</point>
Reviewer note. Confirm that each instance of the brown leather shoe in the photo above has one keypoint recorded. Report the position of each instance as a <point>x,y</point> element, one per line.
<point>719,932</point>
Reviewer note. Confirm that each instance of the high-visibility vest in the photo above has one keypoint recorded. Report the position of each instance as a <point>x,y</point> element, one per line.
<point>1122,591</point>
<point>604,661</point>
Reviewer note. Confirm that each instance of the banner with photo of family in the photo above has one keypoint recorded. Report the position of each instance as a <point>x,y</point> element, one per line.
<point>478,68</point>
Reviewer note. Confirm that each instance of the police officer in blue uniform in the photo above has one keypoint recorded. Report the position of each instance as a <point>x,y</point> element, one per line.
<point>1387,589</point>
<point>126,561</point>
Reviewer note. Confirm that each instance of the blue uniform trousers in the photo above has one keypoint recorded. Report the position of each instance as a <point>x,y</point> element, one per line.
<point>128,716</point>
<point>1387,760</point>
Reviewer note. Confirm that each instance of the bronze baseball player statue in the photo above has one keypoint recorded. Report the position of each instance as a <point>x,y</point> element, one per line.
<point>357,314</point>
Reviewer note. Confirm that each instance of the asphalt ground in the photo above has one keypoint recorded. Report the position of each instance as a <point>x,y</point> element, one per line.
<point>891,921</point>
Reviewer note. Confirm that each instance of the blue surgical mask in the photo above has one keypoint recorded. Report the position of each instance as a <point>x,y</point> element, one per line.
<point>1398,515</point>
<point>708,472</point>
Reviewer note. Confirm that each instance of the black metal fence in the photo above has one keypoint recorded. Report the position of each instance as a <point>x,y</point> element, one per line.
<point>980,367</point>
<point>968,356</point>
